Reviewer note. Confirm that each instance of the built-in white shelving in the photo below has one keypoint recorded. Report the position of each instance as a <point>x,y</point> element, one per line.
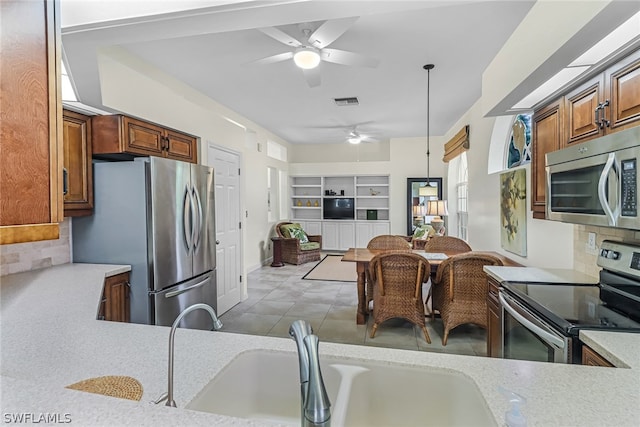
<point>370,194</point>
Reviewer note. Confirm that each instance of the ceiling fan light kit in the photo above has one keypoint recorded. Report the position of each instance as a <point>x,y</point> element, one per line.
<point>306,58</point>
<point>310,52</point>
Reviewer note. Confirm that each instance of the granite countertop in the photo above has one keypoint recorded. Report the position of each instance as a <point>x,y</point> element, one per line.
<point>51,338</point>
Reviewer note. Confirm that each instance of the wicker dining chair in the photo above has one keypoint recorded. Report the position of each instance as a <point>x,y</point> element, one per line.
<point>397,291</point>
<point>384,242</point>
<point>460,290</point>
<point>446,244</point>
<point>293,250</point>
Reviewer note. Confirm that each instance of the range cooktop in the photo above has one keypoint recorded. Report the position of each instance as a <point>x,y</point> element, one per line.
<point>572,306</point>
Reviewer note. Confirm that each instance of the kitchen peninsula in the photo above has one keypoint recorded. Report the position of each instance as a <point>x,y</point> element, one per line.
<point>51,338</point>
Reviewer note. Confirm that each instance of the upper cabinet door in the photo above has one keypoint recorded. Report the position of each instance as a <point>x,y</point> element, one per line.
<point>78,199</point>
<point>547,133</point>
<point>180,146</point>
<point>623,81</point>
<point>31,125</point>
<point>582,112</point>
<point>142,137</point>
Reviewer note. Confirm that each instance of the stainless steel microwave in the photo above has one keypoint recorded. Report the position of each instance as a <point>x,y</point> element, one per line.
<point>596,182</point>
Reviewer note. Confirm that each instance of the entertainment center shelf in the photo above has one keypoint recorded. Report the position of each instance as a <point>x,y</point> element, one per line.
<point>348,210</point>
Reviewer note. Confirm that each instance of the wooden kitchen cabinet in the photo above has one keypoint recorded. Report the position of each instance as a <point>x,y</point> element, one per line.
<point>31,125</point>
<point>78,170</point>
<point>114,305</point>
<point>121,137</point>
<point>547,129</point>
<point>591,358</point>
<point>494,320</point>
<point>607,103</point>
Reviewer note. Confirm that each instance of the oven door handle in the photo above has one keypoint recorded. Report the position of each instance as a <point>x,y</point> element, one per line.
<point>602,194</point>
<point>548,337</point>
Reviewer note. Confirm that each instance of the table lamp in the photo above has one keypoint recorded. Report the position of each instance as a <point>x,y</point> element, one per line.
<point>437,209</point>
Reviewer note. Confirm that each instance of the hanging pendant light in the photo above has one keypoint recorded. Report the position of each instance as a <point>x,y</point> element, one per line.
<point>436,207</point>
<point>427,190</point>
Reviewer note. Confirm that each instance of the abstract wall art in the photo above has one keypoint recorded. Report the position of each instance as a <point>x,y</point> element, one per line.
<point>513,212</point>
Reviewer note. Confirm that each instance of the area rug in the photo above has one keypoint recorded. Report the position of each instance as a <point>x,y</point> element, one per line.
<point>332,268</point>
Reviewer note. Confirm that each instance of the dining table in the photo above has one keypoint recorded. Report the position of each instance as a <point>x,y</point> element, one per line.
<point>362,257</point>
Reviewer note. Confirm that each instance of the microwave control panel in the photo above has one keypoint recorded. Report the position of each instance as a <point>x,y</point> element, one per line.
<point>629,183</point>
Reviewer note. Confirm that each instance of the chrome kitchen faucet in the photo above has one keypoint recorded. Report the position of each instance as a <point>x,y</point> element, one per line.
<point>315,404</point>
<point>217,324</point>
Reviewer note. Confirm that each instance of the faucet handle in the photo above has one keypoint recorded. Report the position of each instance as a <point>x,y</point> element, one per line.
<point>160,399</point>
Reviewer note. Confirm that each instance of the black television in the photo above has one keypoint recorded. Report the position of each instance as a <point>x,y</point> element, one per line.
<point>338,208</point>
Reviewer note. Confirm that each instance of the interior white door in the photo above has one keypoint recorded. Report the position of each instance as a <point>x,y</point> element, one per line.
<point>226,166</point>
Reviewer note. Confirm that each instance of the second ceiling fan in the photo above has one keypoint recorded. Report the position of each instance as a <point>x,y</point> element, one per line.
<point>313,49</point>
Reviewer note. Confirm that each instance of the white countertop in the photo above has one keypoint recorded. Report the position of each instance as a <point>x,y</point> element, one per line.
<point>50,339</point>
<point>534,274</point>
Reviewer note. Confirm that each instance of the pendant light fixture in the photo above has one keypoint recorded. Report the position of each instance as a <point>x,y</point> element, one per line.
<point>428,67</point>
<point>427,190</point>
<point>435,207</point>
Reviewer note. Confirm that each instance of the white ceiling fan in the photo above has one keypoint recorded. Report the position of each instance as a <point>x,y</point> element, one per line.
<point>308,53</point>
<point>356,137</point>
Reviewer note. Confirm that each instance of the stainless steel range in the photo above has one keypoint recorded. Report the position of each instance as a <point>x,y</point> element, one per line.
<point>541,321</point>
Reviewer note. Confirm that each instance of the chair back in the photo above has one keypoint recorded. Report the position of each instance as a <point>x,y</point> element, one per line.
<point>463,276</point>
<point>446,244</point>
<point>279,230</point>
<point>389,242</point>
<point>399,273</point>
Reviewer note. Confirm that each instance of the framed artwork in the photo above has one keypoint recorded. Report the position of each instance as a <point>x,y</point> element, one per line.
<point>513,211</point>
<point>519,147</point>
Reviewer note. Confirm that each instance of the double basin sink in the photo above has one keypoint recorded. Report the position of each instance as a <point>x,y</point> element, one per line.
<point>265,385</point>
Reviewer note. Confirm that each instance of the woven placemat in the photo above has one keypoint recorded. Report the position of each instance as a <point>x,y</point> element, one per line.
<point>114,386</point>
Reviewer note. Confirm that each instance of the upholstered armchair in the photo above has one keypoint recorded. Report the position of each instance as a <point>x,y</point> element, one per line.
<point>297,246</point>
<point>460,290</point>
<point>397,288</point>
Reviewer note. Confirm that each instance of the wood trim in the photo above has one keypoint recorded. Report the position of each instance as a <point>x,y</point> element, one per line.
<point>55,109</point>
<point>457,145</point>
<point>28,233</point>
<point>591,358</point>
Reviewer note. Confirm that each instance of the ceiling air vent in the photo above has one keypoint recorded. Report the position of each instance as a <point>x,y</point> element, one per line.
<point>343,102</point>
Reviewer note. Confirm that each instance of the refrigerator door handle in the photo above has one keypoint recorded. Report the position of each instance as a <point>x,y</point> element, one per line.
<point>181,291</point>
<point>187,226</point>
<point>194,219</point>
<point>199,222</point>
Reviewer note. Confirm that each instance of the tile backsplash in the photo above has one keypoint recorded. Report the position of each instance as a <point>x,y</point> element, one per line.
<point>584,258</point>
<point>20,257</point>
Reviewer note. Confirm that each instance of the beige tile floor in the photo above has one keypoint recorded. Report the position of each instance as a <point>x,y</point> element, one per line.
<point>278,296</point>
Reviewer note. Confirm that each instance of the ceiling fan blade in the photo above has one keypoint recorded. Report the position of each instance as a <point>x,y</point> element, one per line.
<point>280,36</point>
<point>273,59</point>
<point>312,77</point>
<point>344,57</point>
<point>328,32</point>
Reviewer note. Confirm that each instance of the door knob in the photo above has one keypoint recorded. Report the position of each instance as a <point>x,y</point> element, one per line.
<point>217,242</point>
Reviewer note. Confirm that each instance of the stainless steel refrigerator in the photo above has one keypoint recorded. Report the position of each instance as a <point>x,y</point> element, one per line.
<point>158,216</point>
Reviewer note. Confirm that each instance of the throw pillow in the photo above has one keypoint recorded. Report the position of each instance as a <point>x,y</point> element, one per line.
<point>294,231</point>
<point>299,234</point>
<point>423,232</point>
